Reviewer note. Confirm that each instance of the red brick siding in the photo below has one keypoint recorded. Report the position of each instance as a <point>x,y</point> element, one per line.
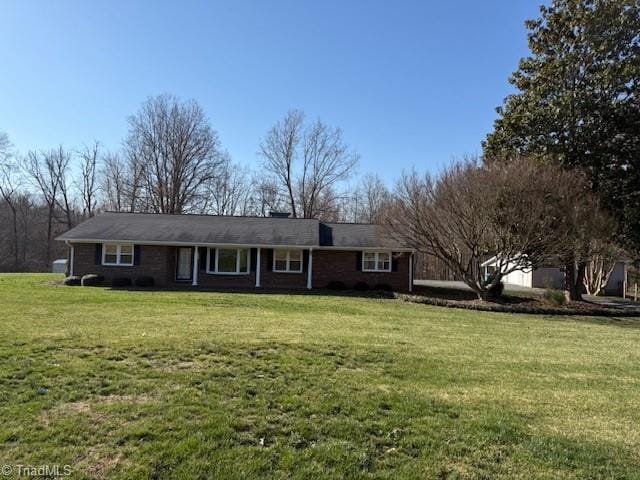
<point>160,263</point>
<point>341,265</point>
<point>271,279</point>
<point>154,262</point>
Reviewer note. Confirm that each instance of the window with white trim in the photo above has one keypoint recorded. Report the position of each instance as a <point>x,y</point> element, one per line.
<point>118,254</point>
<point>376,261</point>
<point>287,261</point>
<point>228,261</point>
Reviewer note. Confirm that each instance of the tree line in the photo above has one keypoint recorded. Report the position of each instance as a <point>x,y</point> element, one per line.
<point>172,161</point>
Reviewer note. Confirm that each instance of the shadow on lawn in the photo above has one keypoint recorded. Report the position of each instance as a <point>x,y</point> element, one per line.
<point>316,292</point>
<point>458,294</point>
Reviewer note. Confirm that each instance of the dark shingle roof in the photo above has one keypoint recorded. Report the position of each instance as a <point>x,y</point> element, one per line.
<point>349,235</point>
<point>206,229</point>
<point>212,229</point>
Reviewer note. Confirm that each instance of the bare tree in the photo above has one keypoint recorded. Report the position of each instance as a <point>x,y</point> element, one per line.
<point>370,199</point>
<point>88,182</point>
<point>9,184</point>
<point>520,212</point>
<point>280,150</point>
<point>307,163</point>
<point>230,191</point>
<point>175,150</point>
<point>42,170</point>
<point>114,180</point>
<point>604,256</point>
<point>326,161</point>
<point>60,160</point>
<point>268,197</point>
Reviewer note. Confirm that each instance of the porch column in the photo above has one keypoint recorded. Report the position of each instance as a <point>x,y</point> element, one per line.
<point>310,269</point>
<point>258,262</point>
<point>196,264</point>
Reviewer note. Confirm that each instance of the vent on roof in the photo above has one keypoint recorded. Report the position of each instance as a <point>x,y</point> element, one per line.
<point>279,214</point>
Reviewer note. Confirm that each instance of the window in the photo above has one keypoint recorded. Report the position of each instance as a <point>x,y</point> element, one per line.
<point>287,261</point>
<point>117,254</point>
<point>228,261</point>
<point>376,261</point>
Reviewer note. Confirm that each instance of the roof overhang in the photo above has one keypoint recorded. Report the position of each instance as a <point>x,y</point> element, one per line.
<point>229,245</point>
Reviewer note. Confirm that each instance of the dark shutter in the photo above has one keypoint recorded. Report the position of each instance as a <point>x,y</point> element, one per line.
<point>394,262</point>
<point>254,259</point>
<point>270,260</point>
<point>305,260</point>
<point>98,256</point>
<point>202,255</point>
<point>136,254</point>
<point>358,261</point>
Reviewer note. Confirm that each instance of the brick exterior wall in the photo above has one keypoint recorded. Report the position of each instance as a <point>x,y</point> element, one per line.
<point>154,260</point>
<point>159,262</point>
<point>344,266</point>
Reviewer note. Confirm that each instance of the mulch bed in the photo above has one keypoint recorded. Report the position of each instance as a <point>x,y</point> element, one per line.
<point>524,305</point>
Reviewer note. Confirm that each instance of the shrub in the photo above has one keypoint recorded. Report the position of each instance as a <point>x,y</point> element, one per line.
<point>121,282</point>
<point>145,281</point>
<point>72,281</point>
<point>383,287</point>
<point>496,291</point>
<point>336,285</point>
<point>554,296</point>
<point>92,280</point>
<point>361,287</point>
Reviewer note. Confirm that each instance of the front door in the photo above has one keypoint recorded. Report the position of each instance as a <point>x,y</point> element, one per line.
<point>184,263</point>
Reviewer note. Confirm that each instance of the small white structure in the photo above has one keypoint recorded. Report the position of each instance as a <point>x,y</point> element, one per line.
<point>59,266</point>
<point>553,277</point>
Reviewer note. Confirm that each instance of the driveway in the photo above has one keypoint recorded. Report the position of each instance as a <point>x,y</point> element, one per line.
<point>615,302</point>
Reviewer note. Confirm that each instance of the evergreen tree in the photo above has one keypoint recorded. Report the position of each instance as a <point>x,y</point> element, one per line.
<point>577,101</point>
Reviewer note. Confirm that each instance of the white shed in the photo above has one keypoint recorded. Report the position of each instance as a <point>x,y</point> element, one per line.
<point>553,277</point>
<point>59,266</point>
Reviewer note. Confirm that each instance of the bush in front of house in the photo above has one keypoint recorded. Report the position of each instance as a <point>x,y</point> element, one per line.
<point>383,287</point>
<point>92,280</point>
<point>496,291</point>
<point>145,281</point>
<point>336,285</point>
<point>361,287</point>
<point>72,281</point>
<point>556,297</point>
<point>121,282</point>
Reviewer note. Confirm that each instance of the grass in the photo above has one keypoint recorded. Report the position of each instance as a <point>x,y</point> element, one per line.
<point>159,384</point>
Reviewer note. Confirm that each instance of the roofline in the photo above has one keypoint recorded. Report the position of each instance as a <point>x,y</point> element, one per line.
<point>176,244</point>
<point>486,263</point>
<point>236,245</point>
<point>391,249</point>
<point>202,215</point>
<point>236,216</point>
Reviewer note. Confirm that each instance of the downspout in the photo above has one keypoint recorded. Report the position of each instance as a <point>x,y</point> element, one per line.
<point>71,252</point>
<point>411,272</point>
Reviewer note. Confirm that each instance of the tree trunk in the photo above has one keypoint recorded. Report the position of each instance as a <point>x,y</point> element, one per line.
<point>16,254</point>
<point>49,231</point>
<point>573,279</point>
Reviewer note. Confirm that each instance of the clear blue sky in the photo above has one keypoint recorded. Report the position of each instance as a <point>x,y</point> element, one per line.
<point>409,82</point>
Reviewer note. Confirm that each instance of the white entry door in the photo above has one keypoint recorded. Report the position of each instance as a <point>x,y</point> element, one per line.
<point>183,269</point>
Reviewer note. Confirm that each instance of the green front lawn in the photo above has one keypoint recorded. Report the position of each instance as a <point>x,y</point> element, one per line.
<point>158,384</point>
